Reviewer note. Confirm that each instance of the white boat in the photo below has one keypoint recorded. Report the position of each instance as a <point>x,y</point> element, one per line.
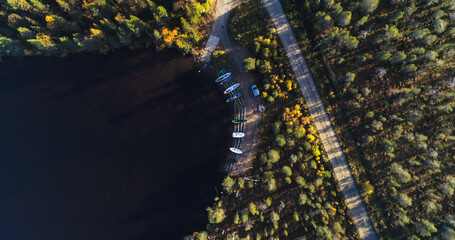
<point>232,88</point>
<point>223,77</point>
<point>235,150</point>
<point>238,135</point>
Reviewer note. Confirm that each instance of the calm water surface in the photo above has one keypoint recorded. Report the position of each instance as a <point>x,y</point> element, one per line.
<point>125,146</point>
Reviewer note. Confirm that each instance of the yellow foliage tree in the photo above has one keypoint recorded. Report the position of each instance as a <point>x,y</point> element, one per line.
<point>44,37</point>
<point>87,3</point>
<point>96,32</point>
<point>49,19</point>
<point>310,137</point>
<point>169,35</point>
<point>120,18</point>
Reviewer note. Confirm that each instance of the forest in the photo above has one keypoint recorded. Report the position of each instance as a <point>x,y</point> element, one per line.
<point>291,192</point>
<point>386,71</point>
<point>61,27</point>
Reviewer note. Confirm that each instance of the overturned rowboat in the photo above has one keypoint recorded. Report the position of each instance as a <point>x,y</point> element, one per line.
<point>235,150</point>
<point>222,78</point>
<point>231,88</point>
<point>226,80</point>
<point>234,97</point>
<point>223,71</point>
<point>238,134</point>
<point>239,120</point>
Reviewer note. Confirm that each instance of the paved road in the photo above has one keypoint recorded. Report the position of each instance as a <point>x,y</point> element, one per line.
<point>323,125</point>
<point>237,55</point>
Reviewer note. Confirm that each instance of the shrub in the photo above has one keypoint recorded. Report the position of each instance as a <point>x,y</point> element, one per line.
<point>368,6</point>
<point>391,32</point>
<point>402,175</point>
<point>216,215</point>
<point>402,217</point>
<point>253,209</point>
<point>274,156</point>
<point>275,217</point>
<point>348,41</point>
<point>439,25</point>
<point>430,207</point>
<point>236,218</point>
<point>300,132</point>
<point>271,185</point>
<point>337,228</point>
<point>419,34</point>
<point>280,141</point>
<point>344,18</point>
<point>349,78</point>
<point>438,14</point>
<point>409,68</point>
<point>228,184</point>
<point>302,198</point>
<point>383,56</point>
<point>404,200</point>
<point>265,67</point>
<point>447,189</point>
<point>429,39</point>
<point>287,171</point>
<point>250,64</point>
<point>323,20</point>
<point>244,215</point>
<point>362,21</point>
<point>300,181</point>
<point>202,236</point>
<point>425,228</point>
<point>396,16</point>
<point>398,58</point>
<point>447,233</point>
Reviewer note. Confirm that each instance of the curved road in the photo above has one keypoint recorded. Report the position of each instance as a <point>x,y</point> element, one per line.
<point>237,55</point>
<point>323,125</point>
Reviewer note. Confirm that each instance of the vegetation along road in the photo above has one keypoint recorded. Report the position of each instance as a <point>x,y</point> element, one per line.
<point>321,119</point>
<point>237,55</point>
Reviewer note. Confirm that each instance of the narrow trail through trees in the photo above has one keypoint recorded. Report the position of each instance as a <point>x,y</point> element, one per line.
<point>326,132</point>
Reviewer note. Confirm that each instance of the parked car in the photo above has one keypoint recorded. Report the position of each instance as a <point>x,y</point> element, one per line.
<point>255,90</point>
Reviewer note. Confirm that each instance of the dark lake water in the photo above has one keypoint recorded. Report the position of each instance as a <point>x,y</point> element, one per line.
<point>125,146</point>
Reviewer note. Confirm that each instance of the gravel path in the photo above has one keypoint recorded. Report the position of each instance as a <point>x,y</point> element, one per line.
<point>323,125</point>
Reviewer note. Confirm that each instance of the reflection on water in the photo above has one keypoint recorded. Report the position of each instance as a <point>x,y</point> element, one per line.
<point>124,146</point>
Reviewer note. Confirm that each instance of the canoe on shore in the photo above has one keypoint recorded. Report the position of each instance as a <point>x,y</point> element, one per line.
<point>231,88</point>
<point>234,97</point>
<point>240,120</point>
<point>238,135</point>
<point>222,78</point>
<point>235,150</point>
<point>226,80</point>
<point>223,71</point>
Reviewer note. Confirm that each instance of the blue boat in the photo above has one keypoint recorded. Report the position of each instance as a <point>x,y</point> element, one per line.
<point>234,97</point>
<point>231,88</point>
<point>223,71</point>
<point>226,80</point>
<point>222,78</point>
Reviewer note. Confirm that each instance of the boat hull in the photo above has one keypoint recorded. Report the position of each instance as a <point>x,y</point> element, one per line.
<point>223,71</point>
<point>235,150</point>
<point>234,97</point>
<point>223,77</point>
<point>239,120</point>
<point>238,135</point>
<point>231,88</point>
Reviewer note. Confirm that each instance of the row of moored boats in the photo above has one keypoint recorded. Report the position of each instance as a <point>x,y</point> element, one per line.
<point>223,78</point>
